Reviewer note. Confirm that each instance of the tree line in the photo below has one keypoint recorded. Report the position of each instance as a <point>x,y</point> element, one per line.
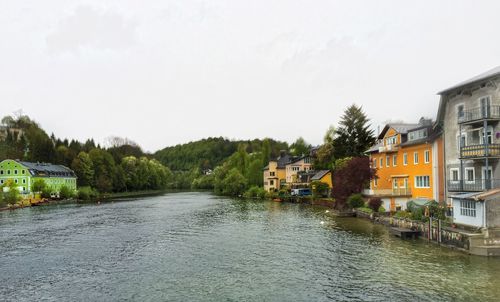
<point>225,166</point>
<point>343,152</point>
<point>119,168</point>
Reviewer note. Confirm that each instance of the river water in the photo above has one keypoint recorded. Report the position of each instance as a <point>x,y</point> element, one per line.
<point>198,247</point>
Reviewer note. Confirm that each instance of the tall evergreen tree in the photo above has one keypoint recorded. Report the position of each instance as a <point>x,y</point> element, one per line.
<point>354,135</point>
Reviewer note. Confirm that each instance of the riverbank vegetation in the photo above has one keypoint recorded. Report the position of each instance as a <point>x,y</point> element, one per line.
<point>121,167</point>
<point>227,167</point>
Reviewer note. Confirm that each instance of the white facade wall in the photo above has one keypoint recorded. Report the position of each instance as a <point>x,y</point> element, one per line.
<point>477,221</point>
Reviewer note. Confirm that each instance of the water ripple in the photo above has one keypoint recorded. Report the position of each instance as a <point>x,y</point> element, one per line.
<point>197,247</point>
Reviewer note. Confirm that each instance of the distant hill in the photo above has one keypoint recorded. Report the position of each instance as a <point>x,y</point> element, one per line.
<point>210,152</point>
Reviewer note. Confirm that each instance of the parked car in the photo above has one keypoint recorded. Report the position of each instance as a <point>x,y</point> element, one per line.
<point>301,192</point>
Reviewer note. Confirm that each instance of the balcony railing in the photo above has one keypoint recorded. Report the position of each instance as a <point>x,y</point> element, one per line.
<point>477,185</point>
<point>478,151</point>
<point>479,113</point>
<point>388,148</point>
<point>392,192</point>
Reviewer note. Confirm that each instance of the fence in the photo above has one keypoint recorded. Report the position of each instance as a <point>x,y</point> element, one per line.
<point>434,231</point>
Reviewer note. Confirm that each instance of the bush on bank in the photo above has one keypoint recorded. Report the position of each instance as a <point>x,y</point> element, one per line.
<point>375,203</point>
<point>255,192</point>
<point>87,193</point>
<point>355,201</point>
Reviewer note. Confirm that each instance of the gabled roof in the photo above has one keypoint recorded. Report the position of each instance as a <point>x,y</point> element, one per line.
<point>432,134</point>
<point>46,169</point>
<point>320,174</point>
<point>485,75</point>
<point>284,160</point>
<point>296,159</point>
<point>398,127</point>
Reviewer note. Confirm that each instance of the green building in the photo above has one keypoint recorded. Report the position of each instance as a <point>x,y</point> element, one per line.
<point>25,173</point>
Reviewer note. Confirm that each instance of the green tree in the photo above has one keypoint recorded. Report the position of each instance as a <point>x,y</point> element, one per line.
<point>65,192</point>
<point>38,186</point>
<point>104,169</point>
<point>354,135</point>
<point>320,189</point>
<point>266,151</point>
<point>12,195</point>
<point>84,169</point>
<point>300,147</point>
<point>234,184</point>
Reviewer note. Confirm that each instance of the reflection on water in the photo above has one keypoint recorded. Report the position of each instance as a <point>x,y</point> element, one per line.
<point>197,247</point>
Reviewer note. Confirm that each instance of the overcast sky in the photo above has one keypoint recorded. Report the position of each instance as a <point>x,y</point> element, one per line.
<point>168,72</point>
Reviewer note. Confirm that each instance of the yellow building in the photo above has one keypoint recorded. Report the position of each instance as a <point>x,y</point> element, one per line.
<point>408,161</point>
<point>289,171</point>
<point>275,173</point>
<point>295,166</point>
<point>324,176</point>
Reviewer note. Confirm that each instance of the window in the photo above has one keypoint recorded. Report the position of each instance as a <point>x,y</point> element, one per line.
<point>469,175</point>
<point>460,112</point>
<point>375,163</point>
<point>271,182</point>
<point>415,158</point>
<point>422,182</point>
<point>387,161</point>
<point>391,140</point>
<point>23,171</point>
<point>489,135</point>
<point>375,182</point>
<point>15,172</point>
<point>418,134</point>
<point>405,159</point>
<point>468,208</point>
<point>427,156</point>
<point>461,141</point>
<point>381,162</point>
<point>394,160</point>
<point>8,172</point>
<point>485,106</point>
<point>1,172</point>
<point>24,180</point>
<point>16,181</point>
<point>1,181</point>
<point>24,189</point>
<point>394,183</point>
<point>307,160</point>
<point>454,176</point>
<point>272,173</point>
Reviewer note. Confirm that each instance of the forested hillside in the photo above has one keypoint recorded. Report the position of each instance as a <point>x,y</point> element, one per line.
<point>211,152</point>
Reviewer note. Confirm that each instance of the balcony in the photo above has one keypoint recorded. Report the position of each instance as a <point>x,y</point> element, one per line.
<point>388,148</point>
<point>491,112</point>
<point>390,192</point>
<point>477,185</point>
<point>480,151</point>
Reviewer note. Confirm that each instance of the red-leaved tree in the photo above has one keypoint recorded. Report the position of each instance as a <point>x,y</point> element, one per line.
<point>351,176</point>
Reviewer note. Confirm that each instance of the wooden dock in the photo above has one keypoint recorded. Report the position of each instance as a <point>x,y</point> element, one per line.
<point>404,233</point>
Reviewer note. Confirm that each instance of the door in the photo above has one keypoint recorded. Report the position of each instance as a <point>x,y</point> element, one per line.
<point>393,205</point>
<point>487,178</point>
<point>405,184</point>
